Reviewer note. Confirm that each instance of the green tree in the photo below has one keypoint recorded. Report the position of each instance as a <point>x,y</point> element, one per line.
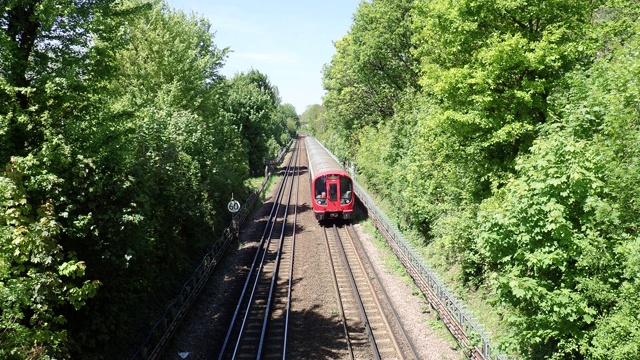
<point>45,68</point>
<point>251,105</point>
<point>372,68</point>
<point>560,240</point>
<point>515,154</point>
<point>545,235</point>
<point>116,167</point>
<point>343,102</point>
<point>288,123</point>
<point>158,159</point>
<point>486,72</point>
<point>44,56</point>
<point>490,66</point>
<point>312,118</point>
<point>37,278</point>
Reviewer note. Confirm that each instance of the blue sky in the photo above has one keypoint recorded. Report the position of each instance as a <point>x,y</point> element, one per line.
<point>288,40</point>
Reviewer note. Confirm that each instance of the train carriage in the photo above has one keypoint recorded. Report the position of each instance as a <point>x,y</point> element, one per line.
<point>331,186</point>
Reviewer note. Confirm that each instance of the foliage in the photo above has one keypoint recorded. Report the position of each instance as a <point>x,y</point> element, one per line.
<point>383,155</point>
<point>312,117</point>
<point>43,68</point>
<point>43,57</point>
<point>251,108</point>
<point>288,123</point>
<point>512,147</point>
<point>37,278</point>
<point>121,152</point>
<point>372,68</point>
<point>547,236</point>
<point>490,67</point>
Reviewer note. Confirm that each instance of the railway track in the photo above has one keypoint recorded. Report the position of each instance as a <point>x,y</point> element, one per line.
<point>254,320</point>
<point>259,325</point>
<point>367,331</point>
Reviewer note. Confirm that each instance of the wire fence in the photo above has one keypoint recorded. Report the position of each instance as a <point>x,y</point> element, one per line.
<point>471,335</point>
<point>164,329</point>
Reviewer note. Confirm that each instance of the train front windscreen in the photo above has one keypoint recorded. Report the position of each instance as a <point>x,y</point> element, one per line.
<point>333,190</point>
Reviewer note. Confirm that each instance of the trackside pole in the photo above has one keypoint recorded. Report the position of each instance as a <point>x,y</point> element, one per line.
<point>234,207</point>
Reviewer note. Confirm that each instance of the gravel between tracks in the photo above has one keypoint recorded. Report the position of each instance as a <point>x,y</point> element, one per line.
<point>314,319</point>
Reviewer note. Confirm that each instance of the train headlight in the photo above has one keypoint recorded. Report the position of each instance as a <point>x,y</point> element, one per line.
<point>321,201</point>
<point>345,201</point>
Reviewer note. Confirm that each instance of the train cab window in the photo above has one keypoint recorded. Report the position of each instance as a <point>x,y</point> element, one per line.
<point>345,188</point>
<point>321,187</point>
<point>333,192</point>
<point>321,190</point>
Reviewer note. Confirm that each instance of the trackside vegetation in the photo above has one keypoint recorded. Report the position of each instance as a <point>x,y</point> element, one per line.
<point>507,134</point>
<point>120,145</point>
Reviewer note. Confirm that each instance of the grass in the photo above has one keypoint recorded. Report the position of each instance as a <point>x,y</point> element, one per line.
<point>255,184</point>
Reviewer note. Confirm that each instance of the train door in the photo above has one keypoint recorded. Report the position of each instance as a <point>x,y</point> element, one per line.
<point>333,183</point>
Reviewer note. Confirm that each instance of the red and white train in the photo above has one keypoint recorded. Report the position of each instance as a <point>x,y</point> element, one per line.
<point>331,186</point>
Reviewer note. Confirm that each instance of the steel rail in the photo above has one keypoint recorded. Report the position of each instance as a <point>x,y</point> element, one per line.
<point>454,316</point>
<point>343,318</point>
<point>356,294</point>
<point>260,266</point>
<point>253,268</point>
<point>293,246</point>
<point>165,328</point>
<point>375,297</point>
<point>274,275</point>
<point>403,331</point>
<point>430,284</point>
<point>445,316</point>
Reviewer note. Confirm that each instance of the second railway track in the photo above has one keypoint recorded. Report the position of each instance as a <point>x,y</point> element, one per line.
<point>259,325</point>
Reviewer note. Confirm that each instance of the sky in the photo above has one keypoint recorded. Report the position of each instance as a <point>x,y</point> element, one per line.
<point>288,40</point>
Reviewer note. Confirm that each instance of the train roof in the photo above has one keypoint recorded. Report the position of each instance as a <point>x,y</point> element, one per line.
<point>321,162</point>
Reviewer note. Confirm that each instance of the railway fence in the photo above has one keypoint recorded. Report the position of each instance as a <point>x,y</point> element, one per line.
<point>470,335</point>
<point>163,330</point>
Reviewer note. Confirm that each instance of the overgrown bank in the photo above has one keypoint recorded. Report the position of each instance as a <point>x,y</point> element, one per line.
<point>505,135</point>
<point>121,145</point>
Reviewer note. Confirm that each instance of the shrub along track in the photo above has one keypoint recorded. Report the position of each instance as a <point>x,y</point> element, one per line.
<point>316,330</point>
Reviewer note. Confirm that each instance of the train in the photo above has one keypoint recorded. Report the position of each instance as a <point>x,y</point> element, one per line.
<point>332,192</point>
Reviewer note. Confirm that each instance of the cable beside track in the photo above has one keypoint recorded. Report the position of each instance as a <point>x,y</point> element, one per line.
<point>164,329</point>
